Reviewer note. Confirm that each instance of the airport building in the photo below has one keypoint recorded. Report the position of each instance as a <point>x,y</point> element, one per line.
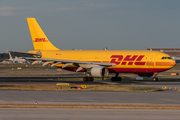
<point>173,52</point>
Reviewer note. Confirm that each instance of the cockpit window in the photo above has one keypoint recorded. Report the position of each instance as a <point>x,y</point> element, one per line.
<point>166,58</point>
<point>169,58</point>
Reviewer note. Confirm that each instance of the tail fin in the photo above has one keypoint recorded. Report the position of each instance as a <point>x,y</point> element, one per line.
<point>10,57</point>
<point>39,39</point>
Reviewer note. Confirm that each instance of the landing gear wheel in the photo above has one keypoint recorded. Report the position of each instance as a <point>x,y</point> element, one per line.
<point>91,78</point>
<point>86,79</point>
<point>118,79</point>
<point>155,79</point>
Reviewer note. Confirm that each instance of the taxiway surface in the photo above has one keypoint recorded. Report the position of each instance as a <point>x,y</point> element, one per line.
<point>87,114</point>
<point>4,80</point>
<point>168,97</point>
<point>90,97</point>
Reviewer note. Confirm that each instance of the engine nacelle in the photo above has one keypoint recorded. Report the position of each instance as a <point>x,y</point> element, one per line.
<point>99,71</point>
<point>145,74</point>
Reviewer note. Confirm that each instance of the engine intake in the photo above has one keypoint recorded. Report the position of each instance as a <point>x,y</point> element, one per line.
<point>99,71</point>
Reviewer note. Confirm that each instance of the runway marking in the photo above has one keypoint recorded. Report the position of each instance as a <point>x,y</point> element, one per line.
<point>113,83</point>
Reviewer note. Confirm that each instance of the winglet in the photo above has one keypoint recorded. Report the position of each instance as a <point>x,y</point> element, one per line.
<point>39,39</point>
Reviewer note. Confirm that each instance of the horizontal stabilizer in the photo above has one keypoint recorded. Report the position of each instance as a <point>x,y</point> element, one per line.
<point>25,53</point>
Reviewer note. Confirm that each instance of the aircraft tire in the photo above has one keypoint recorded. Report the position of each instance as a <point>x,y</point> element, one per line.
<point>155,79</point>
<point>117,79</point>
<point>91,78</point>
<point>86,79</point>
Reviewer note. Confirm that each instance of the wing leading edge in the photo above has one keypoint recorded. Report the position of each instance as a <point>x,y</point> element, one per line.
<point>83,64</point>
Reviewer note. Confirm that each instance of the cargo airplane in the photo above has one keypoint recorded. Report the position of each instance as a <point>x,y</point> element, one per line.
<point>97,63</point>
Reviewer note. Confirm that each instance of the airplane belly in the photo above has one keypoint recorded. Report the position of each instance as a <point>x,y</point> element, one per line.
<point>136,70</point>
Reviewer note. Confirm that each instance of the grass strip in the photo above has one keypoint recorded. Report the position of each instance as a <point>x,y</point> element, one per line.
<point>90,106</point>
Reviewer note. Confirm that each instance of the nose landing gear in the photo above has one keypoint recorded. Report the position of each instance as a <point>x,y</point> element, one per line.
<point>155,78</point>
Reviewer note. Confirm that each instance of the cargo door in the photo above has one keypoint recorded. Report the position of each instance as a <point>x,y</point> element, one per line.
<point>151,60</point>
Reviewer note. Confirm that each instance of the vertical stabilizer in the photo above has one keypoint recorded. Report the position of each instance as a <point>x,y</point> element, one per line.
<point>10,57</point>
<point>39,39</point>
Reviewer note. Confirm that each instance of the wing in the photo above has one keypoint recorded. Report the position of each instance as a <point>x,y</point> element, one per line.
<point>24,53</point>
<point>80,64</point>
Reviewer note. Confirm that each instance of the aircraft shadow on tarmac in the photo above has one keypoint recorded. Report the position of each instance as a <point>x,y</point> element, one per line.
<point>54,80</point>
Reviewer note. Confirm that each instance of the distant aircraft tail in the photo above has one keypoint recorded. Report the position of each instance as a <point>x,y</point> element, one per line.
<point>10,57</point>
<point>39,39</point>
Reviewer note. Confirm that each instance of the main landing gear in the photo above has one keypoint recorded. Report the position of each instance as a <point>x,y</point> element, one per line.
<point>116,78</point>
<point>87,79</point>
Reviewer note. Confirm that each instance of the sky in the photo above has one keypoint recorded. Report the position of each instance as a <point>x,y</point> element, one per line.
<point>92,24</point>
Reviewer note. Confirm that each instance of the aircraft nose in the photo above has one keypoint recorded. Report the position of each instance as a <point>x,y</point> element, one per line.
<point>172,64</point>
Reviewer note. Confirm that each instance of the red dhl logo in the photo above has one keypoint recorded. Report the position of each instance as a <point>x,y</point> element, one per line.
<point>127,60</point>
<point>40,40</point>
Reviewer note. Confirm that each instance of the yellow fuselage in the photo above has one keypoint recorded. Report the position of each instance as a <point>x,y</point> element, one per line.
<point>126,61</point>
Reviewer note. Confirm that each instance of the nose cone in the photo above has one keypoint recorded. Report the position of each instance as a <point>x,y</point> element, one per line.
<point>173,63</point>
<point>169,63</point>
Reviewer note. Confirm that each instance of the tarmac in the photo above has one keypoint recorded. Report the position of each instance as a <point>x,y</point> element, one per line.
<point>6,80</point>
<point>167,97</point>
<point>87,114</point>
<point>90,97</point>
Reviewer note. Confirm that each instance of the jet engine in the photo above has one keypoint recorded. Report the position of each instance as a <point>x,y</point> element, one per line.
<point>145,74</point>
<point>99,71</point>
